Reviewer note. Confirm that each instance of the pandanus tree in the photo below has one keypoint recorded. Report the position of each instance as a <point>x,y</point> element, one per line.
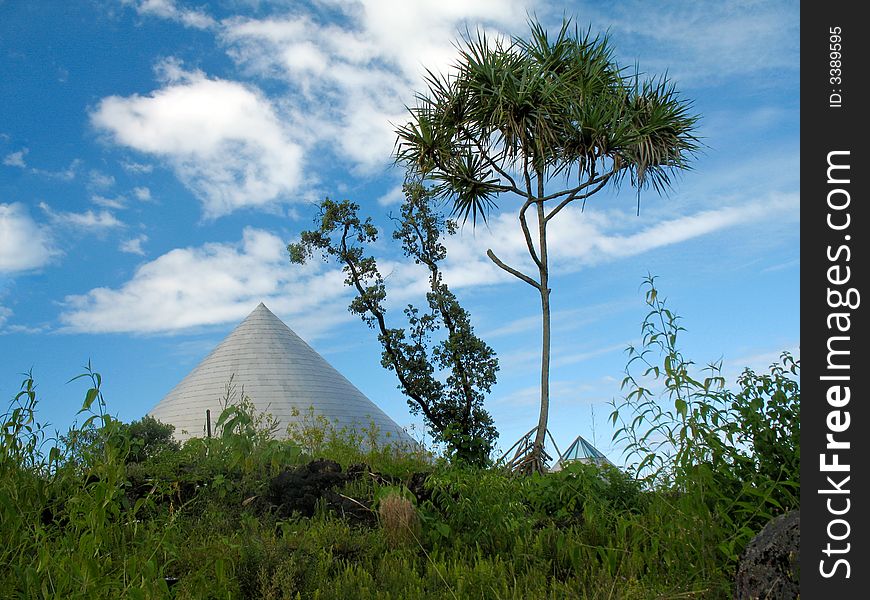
<point>547,121</point>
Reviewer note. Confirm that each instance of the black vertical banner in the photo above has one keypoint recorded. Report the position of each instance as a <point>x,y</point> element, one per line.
<point>835,424</point>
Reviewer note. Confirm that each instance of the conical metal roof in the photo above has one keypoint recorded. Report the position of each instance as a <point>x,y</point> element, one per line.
<point>280,373</point>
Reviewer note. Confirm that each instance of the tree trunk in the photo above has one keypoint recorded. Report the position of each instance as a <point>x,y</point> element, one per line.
<point>537,462</point>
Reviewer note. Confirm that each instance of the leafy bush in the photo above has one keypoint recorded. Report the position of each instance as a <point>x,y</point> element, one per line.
<point>148,438</point>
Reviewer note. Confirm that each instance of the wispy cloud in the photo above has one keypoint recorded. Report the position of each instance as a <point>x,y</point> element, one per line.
<point>16,159</point>
<point>168,9</point>
<point>705,43</point>
<point>759,360</point>
<point>24,245</point>
<point>99,180</point>
<point>562,393</point>
<point>117,203</point>
<point>569,319</point>
<point>137,168</point>
<point>86,220</point>
<point>120,201</point>
<point>563,358</point>
<point>582,239</point>
<point>67,174</point>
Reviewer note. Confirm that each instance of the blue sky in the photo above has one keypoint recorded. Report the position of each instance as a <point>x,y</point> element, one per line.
<point>156,157</point>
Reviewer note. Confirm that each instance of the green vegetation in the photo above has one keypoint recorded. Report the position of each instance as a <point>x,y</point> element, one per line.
<point>735,454</point>
<point>112,510</point>
<point>452,405</point>
<point>548,121</point>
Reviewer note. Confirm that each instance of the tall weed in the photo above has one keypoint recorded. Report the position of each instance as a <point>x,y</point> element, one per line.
<point>728,459</point>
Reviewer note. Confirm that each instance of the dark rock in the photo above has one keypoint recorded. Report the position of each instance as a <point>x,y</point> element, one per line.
<point>769,566</point>
<point>299,489</point>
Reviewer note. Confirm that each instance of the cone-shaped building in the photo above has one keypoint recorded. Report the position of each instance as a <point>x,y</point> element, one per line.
<point>280,373</point>
<point>581,451</point>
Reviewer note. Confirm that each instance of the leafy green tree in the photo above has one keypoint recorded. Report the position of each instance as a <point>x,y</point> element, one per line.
<point>453,409</point>
<point>549,122</point>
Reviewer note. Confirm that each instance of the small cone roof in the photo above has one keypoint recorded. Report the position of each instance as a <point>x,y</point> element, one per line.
<point>280,373</point>
<point>582,451</point>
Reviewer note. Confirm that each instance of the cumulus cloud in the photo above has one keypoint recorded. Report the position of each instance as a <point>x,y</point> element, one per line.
<point>24,245</point>
<point>86,220</point>
<point>212,284</point>
<point>224,140</point>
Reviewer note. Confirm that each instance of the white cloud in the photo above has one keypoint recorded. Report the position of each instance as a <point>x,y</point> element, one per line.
<point>216,283</point>
<point>5,313</point>
<point>350,83</point>
<point>168,9</point>
<point>16,159</point>
<point>134,246</point>
<point>86,220</point>
<point>565,358</point>
<point>24,245</point>
<point>562,393</point>
<point>225,141</point>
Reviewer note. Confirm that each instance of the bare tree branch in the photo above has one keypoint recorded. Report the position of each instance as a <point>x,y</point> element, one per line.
<point>512,271</point>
